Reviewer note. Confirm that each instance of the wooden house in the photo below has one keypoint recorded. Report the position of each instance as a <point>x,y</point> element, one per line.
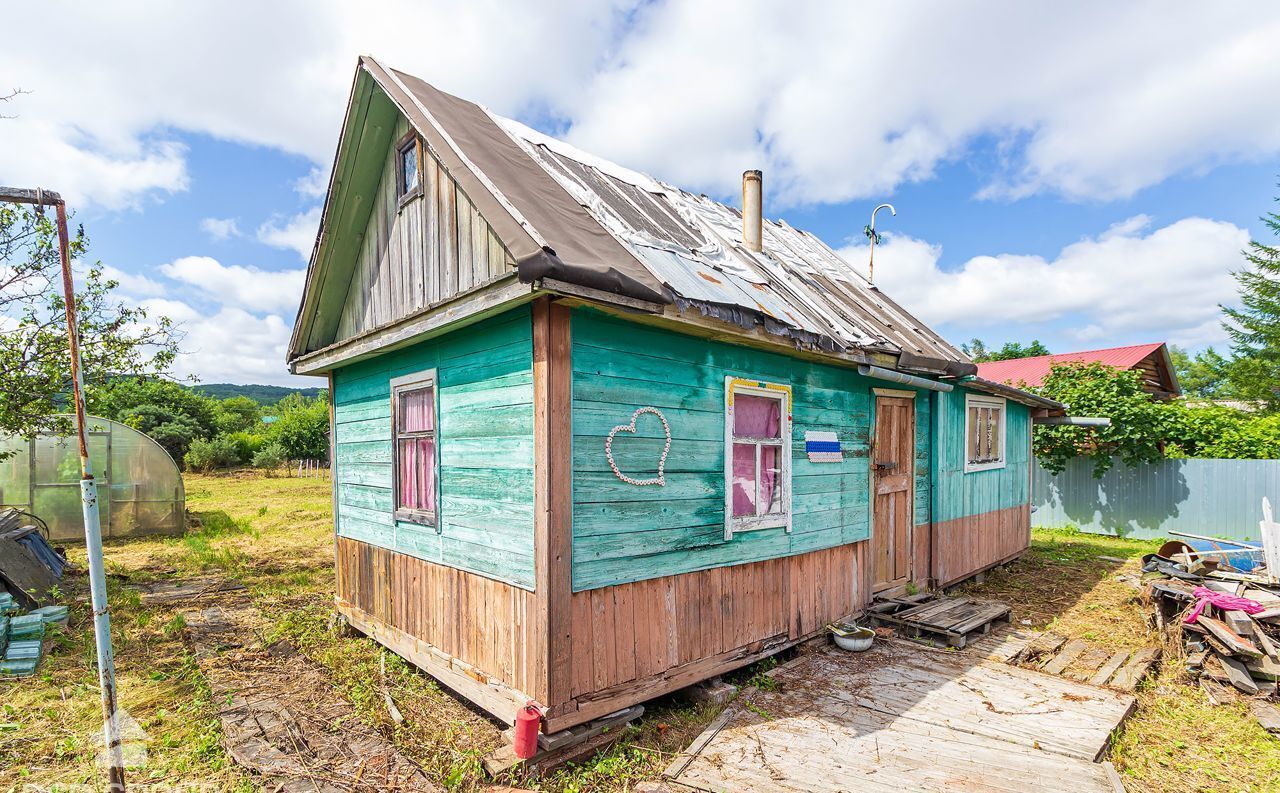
<point>597,438</point>
<point>1150,361</point>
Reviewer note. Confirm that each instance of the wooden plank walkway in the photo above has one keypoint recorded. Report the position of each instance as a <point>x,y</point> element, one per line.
<point>906,717</point>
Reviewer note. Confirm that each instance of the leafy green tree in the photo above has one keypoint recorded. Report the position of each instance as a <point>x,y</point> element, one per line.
<point>1214,432</point>
<point>302,428</point>
<point>236,414</point>
<point>1204,375</point>
<point>978,351</point>
<point>34,359</point>
<point>119,395</point>
<point>1255,326</point>
<point>1139,427</point>
<point>173,431</point>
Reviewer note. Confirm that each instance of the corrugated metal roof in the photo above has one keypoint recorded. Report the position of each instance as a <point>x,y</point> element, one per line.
<point>694,245</point>
<point>1032,371</point>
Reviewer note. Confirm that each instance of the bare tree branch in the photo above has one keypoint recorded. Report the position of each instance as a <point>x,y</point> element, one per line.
<point>15,93</point>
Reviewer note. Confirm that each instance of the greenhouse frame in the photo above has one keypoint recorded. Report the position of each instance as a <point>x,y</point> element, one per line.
<point>140,488</point>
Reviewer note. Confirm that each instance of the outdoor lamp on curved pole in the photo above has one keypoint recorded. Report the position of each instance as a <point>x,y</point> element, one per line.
<point>874,236</point>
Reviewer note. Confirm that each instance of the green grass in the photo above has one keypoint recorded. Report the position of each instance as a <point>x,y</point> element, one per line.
<point>274,535</point>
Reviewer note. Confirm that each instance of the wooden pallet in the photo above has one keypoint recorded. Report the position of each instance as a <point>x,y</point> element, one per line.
<point>940,620</point>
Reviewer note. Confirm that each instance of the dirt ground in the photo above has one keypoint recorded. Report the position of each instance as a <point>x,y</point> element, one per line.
<point>273,536</point>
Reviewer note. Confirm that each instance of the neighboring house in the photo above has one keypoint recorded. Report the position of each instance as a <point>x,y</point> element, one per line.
<point>597,438</point>
<point>1150,360</point>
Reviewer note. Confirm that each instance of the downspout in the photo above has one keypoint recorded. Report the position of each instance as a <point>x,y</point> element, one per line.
<point>937,448</point>
<point>893,376</point>
<point>1072,421</point>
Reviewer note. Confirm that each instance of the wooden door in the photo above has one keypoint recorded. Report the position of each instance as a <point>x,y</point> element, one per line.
<point>892,468</point>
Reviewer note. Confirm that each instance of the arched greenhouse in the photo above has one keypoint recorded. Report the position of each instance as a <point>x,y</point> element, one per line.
<point>139,486</point>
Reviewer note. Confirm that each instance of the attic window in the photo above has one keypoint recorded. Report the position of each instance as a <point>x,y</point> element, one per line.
<point>408,168</point>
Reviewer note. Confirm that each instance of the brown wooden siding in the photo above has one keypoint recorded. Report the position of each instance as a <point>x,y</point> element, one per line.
<point>630,642</point>
<point>635,641</point>
<point>968,545</point>
<point>432,247</point>
<point>485,623</point>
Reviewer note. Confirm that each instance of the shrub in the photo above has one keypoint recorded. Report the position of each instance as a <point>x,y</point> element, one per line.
<point>247,444</point>
<point>271,457</point>
<point>207,455</point>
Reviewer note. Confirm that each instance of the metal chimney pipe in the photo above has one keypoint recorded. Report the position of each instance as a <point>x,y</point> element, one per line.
<point>752,217</point>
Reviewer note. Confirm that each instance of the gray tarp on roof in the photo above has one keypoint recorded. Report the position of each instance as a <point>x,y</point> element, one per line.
<point>568,243</point>
<point>694,246</point>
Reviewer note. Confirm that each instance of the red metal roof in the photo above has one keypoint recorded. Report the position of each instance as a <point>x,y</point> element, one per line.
<point>1032,371</point>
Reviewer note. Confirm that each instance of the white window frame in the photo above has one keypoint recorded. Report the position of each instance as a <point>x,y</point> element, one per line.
<point>781,392</point>
<point>984,401</point>
<point>399,385</point>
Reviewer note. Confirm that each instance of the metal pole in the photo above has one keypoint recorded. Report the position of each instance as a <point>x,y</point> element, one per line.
<point>92,530</point>
<point>870,231</point>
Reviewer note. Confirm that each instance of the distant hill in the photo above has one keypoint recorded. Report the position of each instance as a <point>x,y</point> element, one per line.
<point>262,394</point>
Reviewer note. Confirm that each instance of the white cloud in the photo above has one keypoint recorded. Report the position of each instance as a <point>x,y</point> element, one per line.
<point>839,101</point>
<point>297,232</point>
<point>1131,283</point>
<point>133,285</point>
<point>237,286</point>
<point>315,184</point>
<point>112,85</point>
<point>231,345</point>
<point>847,100</point>
<point>219,229</point>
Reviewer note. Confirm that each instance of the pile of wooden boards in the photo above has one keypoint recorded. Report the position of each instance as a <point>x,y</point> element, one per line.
<point>1234,653</point>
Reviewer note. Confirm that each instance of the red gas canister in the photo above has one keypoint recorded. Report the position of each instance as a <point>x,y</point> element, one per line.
<point>527,721</point>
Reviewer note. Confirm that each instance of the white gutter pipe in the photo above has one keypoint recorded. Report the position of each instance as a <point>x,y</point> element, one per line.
<point>881,373</point>
<point>1073,421</point>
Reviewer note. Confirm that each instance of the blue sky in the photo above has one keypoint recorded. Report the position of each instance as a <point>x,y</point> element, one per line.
<point>1055,177</point>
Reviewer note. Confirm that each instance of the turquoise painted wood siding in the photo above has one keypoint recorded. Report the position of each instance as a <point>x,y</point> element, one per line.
<point>924,457</point>
<point>624,533</point>
<point>961,494</point>
<point>485,436</point>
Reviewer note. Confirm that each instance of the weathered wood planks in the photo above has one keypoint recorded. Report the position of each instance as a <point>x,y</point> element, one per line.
<point>907,718</point>
<point>486,433</point>
<point>553,508</point>
<point>419,251</point>
<point>968,545</point>
<point>633,641</point>
<point>486,624</point>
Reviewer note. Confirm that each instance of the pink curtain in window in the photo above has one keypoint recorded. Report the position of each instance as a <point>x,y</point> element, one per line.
<point>417,456</point>
<point>744,479</point>
<point>756,416</point>
<point>417,410</point>
<point>418,473</point>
